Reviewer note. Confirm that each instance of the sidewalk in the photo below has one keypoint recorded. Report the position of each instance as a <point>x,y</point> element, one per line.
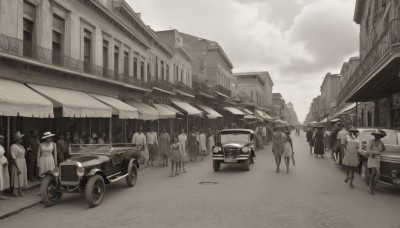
<point>14,205</point>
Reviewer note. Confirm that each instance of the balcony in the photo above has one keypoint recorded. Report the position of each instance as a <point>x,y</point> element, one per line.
<point>203,88</point>
<point>16,47</point>
<point>223,90</point>
<point>379,56</point>
<point>162,84</point>
<point>183,87</point>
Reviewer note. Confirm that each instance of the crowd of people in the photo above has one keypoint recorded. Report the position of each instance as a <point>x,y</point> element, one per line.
<point>344,145</point>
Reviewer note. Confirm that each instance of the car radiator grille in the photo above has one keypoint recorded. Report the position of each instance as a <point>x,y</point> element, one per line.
<point>231,152</point>
<point>68,173</point>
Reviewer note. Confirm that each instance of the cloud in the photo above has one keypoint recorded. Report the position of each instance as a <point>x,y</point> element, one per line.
<point>297,41</point>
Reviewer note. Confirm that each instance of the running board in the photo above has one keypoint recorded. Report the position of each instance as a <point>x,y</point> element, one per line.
<point>117,178</point>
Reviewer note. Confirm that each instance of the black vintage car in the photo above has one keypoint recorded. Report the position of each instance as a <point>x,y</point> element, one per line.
<point>88,170</point>
<point>390,159</point>
<point>234,146</point>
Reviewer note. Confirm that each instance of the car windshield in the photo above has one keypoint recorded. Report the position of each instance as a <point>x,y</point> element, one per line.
<point>389,139</point>
<point>235,137</point>
<point>90,149</point>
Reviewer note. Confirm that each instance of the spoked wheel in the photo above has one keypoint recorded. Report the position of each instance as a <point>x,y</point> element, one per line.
<point>95,189</point>
<point>48,191</point>
<point>132,176</point>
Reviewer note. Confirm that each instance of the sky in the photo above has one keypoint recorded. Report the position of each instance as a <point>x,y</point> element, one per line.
<point>297,41</point>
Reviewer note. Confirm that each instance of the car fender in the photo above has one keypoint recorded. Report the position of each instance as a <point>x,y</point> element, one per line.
<point>93,172</point>
<point>131,163</point>
<point>47,173</point>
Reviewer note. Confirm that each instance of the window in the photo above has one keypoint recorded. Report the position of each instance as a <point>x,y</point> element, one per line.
<point>142,71</point>
<point>135,67</point>
<point>126,63</point>
<point>156,68</point>
<point>116,60</point>
<point>162,71</point>
<point>105,57</point>
<point>167,74</point>
<point>176,73</point>
<point>28,28</point>
<point>58,36</point>
<point>181,75</point>
<point>251,95</point>
<point>148,71</point>
<point>87,48</point>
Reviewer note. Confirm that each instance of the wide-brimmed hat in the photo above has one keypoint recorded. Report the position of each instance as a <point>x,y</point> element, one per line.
<point>379,132</point>
<point>17,135</point>
<point>353,129</point>
<point>47,135</point>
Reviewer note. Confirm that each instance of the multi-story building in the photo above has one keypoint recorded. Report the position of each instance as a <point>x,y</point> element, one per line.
<point>291,116</point>
<point>278,106</point>
<point>330,89</point>
<point>376,79</point>
<point>255,88</point>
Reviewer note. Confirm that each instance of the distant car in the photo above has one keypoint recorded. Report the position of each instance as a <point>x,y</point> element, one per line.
<point>88,170</point>
<point>390,159</point>
<point>234,146</point>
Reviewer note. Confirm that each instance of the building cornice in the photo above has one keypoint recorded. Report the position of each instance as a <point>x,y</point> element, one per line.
<point>216,47</point>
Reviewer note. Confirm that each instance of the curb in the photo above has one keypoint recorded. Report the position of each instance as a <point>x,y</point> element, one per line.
<point>19,210</point>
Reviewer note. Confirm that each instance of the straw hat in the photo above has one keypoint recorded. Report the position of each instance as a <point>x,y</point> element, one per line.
<point>353,129</point>
<point>379,132</point>
<point>47,135</point>
<point>17,135</point>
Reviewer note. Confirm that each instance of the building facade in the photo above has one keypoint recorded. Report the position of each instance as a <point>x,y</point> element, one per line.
<point>330,89</point>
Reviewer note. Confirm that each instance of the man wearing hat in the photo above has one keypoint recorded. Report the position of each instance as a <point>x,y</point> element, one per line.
<point>32,151</point>
<point>4,177</point>
<point>139,139</point>
<point>335,143</point>
<point>165,142</point>
<point>152,143</point>
<point>341,137</point>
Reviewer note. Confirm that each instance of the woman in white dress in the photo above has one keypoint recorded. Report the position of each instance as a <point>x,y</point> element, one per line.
<point>350,159</point>
<point>19,178</point>
<point>47,154</point>
<point>374,149</point>
<point>183,140</point>
<point>287,149</point>
<point>202,144</point>
<point>211,141</point>
<point>4,179</point>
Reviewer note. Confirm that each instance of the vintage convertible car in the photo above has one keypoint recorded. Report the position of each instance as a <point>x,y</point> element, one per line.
<point>390,159</point>
<point>234,146</point>
<point>88,170</point>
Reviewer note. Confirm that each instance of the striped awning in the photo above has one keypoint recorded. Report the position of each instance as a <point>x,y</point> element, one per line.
<point>164,112</point>
<point>16,99</point>
<point>212,114</point>
<point>234,111</point>
<point>248,112</point>
<point>122,109</point>
<point>74,103</point>
<point>146,112</point>
<point>189,109</point>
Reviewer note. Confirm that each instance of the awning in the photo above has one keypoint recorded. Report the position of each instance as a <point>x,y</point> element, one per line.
<point>164,112</point>
<point>184,94</point>
<point>122,109</point>
<point>250,117</point>
<point>212,114</point>
<point>190,110</point>
<point>74,103</point>
<point>347,108</point>
<point>248,111</point>
<point>221,94</point>
<point>268,117</point>
<point>16,99</point>
<point>162,90</point>
<point>206,95</point>
<point>263,115</point>
<point>323,121</point>
<point>146,112</point>
<point>234,111</point>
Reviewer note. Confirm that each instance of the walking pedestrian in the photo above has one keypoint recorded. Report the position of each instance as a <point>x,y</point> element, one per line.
<point>319,142</point>
<point>340,150</point>
<point>139,140</point>
<point>202,144</point>
<point>258,132</point>
<point>4,177</point>
<point>264,134</point>
<point>269,132</point>
<point>163,146</point>
<point>335,144</point>
<point>327,136</point>
<point>193,145</point>
<point>175,155</point>
<point>19,178</point>
<point>277,146</point>
<point>287,150</point>
<point>62,148</point>
<point>32,155</point>
<point>152,144</point>
<point>182,139</point>
<point>47,154</point>
<point>350,159</point>
<point>374,148</point>
<point>210,141</point>
<point>309,137</point>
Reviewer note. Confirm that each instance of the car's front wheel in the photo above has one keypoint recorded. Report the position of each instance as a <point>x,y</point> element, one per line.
<point>47,189</point>
<point>132,176</point>
<point>95,189</point>
<point>365,172</point>
<point>248,164</point>
<point>216,165</point>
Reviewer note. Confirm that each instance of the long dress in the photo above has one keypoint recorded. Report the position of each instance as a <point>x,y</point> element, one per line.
<point>319,146</point>
<point>376,161</point>
<point>46,154</point>
<point>287,147</point>
<point>4,179</point>
<point>278,139</point>
<point>176,153</point>
<point>351,151</point>
<point>164,143</point>
<point>182,139</point>
<point>193,148</point>
<point>210,144</point>
<point>18,154</point>
<point>202,144</point>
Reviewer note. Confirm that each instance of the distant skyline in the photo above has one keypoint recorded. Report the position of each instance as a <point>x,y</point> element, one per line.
<point>296,41</point>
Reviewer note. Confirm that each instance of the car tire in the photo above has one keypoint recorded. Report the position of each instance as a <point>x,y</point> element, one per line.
<point>248,164</point>
<point>94,191</point>
<point>132,176</point>
<point>49,197</point>
<point>216,165</point>
<point>365,172</point>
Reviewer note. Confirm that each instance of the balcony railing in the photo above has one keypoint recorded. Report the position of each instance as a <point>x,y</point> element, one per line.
<point>223,90</point>
<point>20,48</point>
<point>183,87</point>
<point>200,87</point>
<point>162,84</point>
<point>382,47</point>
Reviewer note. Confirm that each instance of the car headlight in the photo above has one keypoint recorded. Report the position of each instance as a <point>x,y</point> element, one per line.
<point>245,149</point>
<point>216,149</point>
<point>394,173</point>
<point>80,171</point>
<point>56,171</point>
